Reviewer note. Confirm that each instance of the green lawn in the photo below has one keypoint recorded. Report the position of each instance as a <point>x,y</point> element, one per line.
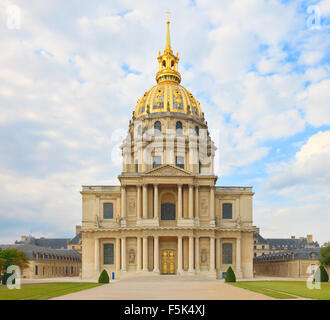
<point>285,289</point>
<point>48,290</point>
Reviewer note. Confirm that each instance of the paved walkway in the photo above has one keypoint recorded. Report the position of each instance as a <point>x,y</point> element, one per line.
<point>165,288</point>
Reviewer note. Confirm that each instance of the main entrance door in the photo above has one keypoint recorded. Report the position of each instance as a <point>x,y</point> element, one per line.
<point>168,262</point>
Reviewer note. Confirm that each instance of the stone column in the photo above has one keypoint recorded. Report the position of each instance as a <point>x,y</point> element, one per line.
<point>212,254</point>
<point>117,254</point>
<point>179,201</point>
<point>179,254</point>
<point>123,202</point>
<point>156,201</point>
<point>212,203</point>
<point>156,254</point>
<point>197,202</point>
<point>217,254</point>
<point>123,254</point>
<point>145,254</point>
<point>97,256</point>
<point>138,254</point>
<point>191,255</point>
<point>138,196</point>
<point>238,255</point>
<point>237,208</point>
<point>197,254</point>
<point>145,201</point>
<point>191,201</point>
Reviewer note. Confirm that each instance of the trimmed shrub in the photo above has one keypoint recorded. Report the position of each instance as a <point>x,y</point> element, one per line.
<point>321,275</point>
<point>104,277</point>
<point>230,275</point>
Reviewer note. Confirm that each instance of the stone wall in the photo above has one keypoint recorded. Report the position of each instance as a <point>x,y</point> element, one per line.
<point>290,269</point>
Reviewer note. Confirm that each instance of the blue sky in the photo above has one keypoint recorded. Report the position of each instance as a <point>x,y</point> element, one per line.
<point>72,72</point>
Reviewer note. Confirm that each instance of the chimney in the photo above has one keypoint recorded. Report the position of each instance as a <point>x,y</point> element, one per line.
<point>78,229</point>
<point>309,238</point>
<point>293,237</point>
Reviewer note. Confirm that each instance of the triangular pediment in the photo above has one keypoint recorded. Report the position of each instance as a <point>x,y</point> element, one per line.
<point>168,170</point>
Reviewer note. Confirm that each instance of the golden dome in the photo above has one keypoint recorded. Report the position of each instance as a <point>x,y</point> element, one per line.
<point>168,95</point>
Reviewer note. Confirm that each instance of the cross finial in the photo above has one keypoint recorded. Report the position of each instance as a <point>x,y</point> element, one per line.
<point>168,12</point>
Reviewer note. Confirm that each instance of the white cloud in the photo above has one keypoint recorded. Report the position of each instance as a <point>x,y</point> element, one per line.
<point>310,167</point>
<point>303,185</point>
<point>315,101</point>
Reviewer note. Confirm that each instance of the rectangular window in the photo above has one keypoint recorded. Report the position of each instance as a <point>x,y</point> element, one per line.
<point>227,211</point>
<point>108,210</point>
<point>227,253</point>
<point>157,161</point>
<point>108,253</point>
<point>180,162</point>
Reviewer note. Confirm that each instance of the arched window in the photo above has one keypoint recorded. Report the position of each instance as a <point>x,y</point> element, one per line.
<point>139,131</point>
<point>197,130</point>
<point>164,63</point>
<point>178,127</point>
<point>172,64</point>
<point>158,127</point>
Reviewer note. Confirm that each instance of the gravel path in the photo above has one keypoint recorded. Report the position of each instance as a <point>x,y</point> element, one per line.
<point>165,288</point>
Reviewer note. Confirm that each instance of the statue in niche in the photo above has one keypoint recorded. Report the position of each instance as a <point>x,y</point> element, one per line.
<point>238,222</point>
<point>97,221</point>
<point>204,205</point>
<point>203,257</point>
<point>131,204</point>
<point>131,257</point>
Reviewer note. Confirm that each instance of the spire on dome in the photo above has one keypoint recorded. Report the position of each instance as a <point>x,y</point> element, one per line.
<point>168,37</point>
<point>168,62</point>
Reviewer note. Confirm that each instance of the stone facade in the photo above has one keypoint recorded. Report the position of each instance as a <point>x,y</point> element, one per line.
<point>48,263</point>
<point>167,216</point>
<point>297,263</point>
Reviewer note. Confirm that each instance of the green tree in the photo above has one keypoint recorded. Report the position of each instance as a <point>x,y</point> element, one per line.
<point>325,256</point>
<point>104,277</point>
<point>326,244</point>
<point>10,257</point>
<point>230,275</point>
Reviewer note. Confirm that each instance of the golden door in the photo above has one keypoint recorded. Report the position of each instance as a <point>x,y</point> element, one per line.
<point>168,262</point>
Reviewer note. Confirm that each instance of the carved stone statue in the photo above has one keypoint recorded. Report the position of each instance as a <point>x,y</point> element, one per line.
<point>203,257</point>
<point>131,257</point>
<point>97,221</point>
